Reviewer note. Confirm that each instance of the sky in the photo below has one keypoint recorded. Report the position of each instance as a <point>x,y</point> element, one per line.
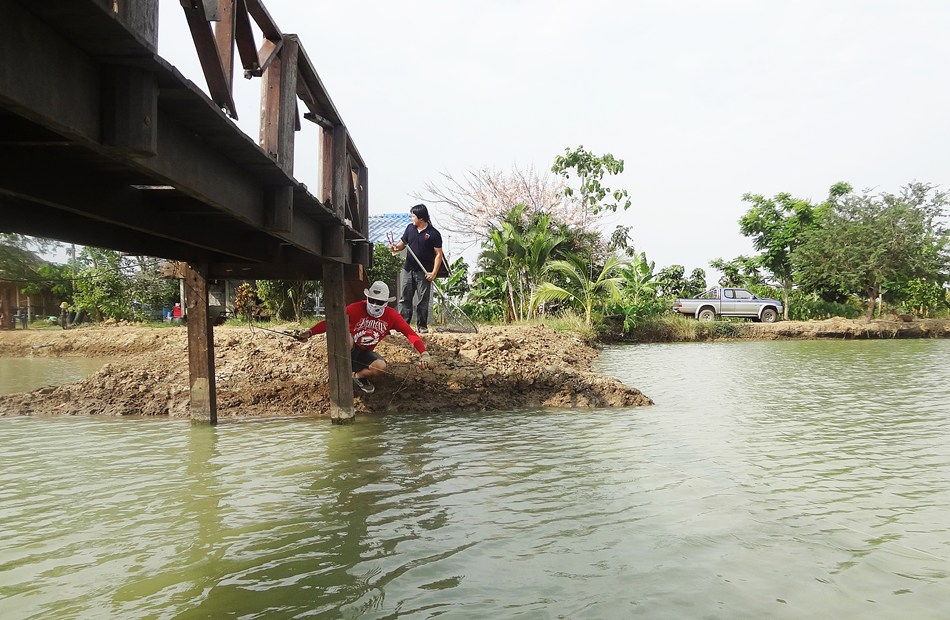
<point>704,100</point>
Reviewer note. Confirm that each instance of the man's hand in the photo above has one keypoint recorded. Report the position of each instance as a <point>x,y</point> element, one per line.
<point>304,335</point>
<point>430,276</point>
<point>424,360</point>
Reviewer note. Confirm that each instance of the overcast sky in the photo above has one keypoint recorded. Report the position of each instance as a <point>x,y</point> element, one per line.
<point>704,100</point>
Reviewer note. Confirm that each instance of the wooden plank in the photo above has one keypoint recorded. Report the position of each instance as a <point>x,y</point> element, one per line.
<point>268,54</point>
<point>208,56</point>
<point>278,106</point>
<point>363,226</point>
<point>266,271</point>
<point>104,200</point>
<point>203,399</point>
<point>130,110</point>
<point>326,168</point>
<point>279,209</point>
<point>224,31</point>
<point>141,17</point>
<point>244,37</point>
<point>34,57</point>
<point>264,21</point>
<point>338,346</point>
<point>340,172</point>
<point>334,242</point>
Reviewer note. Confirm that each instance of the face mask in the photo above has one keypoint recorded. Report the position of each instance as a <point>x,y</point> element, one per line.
<point>375,310</point>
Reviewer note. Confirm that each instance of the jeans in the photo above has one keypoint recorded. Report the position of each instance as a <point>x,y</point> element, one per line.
<point>415,281</point>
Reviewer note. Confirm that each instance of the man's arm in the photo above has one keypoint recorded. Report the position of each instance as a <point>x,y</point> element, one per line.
<point>437,265</point>
<point>319,328</point>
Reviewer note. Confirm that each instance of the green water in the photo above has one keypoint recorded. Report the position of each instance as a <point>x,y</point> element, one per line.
<point>781,480</point>
<point>23,374</point>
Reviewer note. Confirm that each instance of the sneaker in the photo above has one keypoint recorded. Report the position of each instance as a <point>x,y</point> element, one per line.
<point>364,385</point>
<point>423,330</point>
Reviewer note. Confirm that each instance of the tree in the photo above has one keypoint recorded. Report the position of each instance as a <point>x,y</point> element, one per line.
<point>864,241</point>
<point>671,282</point>
<point>577,287</point>
<point>102,289</point>
<point>148,287</point>
<point>456,285</point>
<point>777,226</point>
<point>516,253</point>
<point>19,256</point>
<point>741,271</point>
<point>482,198</point>
<point>386,266</point>
<point>285,298</point>
<point>590,169</point>
<point>639,278</point>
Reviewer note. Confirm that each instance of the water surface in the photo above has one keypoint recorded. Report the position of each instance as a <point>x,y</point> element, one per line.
<point>785,480</point>
<point>24,374</point>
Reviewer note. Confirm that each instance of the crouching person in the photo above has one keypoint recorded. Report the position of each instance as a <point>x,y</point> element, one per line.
<point>369,322</point>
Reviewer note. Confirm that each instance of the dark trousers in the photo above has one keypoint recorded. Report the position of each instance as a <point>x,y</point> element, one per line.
<point>415,281</point>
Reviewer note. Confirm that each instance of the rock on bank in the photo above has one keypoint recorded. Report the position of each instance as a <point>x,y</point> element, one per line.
<point>263,374</point>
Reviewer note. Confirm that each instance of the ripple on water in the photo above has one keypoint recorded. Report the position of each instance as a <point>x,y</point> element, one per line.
<point>771,479</point>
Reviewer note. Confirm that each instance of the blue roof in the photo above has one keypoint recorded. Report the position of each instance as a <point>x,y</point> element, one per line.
<point>379,225</point>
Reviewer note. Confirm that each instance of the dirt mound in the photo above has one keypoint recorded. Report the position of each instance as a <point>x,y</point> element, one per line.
<point>849,329</point>
<point>262,374</point>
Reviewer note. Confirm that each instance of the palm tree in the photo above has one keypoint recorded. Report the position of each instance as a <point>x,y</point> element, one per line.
<point>579,288</point>
<point>516,253</point>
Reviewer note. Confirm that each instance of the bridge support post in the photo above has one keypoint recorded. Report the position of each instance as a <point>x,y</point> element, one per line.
<point>338,345</point>
<point>204,405</point>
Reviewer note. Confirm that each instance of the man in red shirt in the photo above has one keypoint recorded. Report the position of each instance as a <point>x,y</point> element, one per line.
<point>370,322</point>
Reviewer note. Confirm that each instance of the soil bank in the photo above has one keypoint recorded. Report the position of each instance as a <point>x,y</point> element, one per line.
<point>263,374</point>
<point>834,328</point>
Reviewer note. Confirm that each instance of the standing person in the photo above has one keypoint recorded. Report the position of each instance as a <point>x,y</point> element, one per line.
<point>63,310</point>
<point>426,243</point>
<point>370,322</point>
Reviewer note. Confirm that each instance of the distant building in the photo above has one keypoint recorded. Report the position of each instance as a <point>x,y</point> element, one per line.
<point>380,225</point>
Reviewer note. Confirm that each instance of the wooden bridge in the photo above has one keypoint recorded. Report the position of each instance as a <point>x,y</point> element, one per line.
<point>104,143</point>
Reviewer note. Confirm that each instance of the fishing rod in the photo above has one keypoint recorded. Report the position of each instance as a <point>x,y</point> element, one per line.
<point>287,333</point>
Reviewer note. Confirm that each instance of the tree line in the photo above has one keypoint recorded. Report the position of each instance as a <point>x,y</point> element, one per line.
<point>542,254</point>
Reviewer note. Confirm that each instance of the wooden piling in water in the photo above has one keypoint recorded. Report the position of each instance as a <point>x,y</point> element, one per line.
<point>203,406</point>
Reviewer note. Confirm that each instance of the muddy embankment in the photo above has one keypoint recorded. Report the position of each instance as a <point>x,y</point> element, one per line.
<point>836,328</point>
<point>263,374</point>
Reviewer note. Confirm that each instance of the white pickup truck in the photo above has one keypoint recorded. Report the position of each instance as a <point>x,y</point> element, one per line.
<point>737,302</point>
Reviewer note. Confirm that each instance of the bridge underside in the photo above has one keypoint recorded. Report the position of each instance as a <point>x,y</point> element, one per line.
<point>104,143</point>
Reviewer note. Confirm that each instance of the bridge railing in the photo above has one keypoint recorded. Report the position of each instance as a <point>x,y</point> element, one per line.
<point>223,34</point>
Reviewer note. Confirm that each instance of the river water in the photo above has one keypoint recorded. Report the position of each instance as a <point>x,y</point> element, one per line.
<point>771,479</point>
<point>22,374</point>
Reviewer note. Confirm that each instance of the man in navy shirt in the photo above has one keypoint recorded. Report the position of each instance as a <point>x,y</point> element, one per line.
<point>426,243</point>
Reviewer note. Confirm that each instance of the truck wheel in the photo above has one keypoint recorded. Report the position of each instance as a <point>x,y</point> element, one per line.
<point>706,315</point>
<point>769,315</point>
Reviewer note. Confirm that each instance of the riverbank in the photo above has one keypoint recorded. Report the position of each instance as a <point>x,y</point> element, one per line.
<point>683,329</point>
<point>264,374</point>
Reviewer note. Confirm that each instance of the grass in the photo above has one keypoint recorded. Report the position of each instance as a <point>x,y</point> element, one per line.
<point>566,322</point>
<point>679,328</point>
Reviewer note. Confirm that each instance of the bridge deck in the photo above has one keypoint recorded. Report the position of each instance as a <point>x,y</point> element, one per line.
<point>185,184</point>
